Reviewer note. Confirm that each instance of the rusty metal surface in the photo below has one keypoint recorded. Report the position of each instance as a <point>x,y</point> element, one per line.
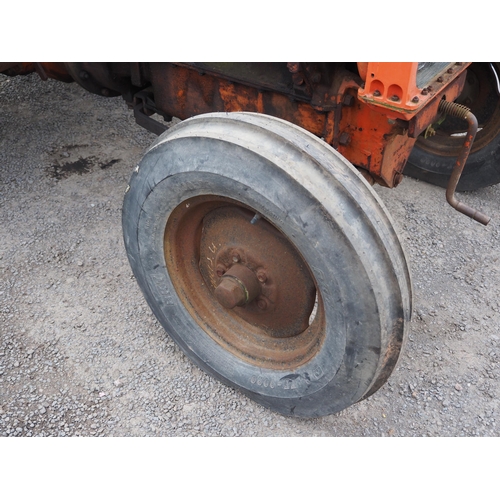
<point>185,92</point>
<point>381,147</point>
<point>361,119</point>
<point>430,111</point>
<point>480,95</point>
<point>394,86</point>
<point>380,141</point>
<point>464,113</point>
<point>285,297</point>
<point>208,237</point>
<point>238,286</point>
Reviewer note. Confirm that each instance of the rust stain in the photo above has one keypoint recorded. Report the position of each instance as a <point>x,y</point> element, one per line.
<point>205,237</point>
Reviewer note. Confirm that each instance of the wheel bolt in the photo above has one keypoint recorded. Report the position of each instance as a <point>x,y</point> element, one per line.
<point>239,286</point>
<point>230,293</point>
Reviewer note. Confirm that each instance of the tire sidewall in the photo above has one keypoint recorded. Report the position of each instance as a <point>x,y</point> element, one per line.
<point>482,168</point>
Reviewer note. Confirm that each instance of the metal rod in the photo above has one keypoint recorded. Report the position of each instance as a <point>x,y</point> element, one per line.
<point>460,111</point>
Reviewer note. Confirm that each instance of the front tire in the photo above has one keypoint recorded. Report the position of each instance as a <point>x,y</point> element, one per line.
<point>247,194</point>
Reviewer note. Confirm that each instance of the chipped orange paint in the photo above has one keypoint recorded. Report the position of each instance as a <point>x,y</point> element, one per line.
<point>236,100</point>
<point>375,133</point>
<point>394,86</point>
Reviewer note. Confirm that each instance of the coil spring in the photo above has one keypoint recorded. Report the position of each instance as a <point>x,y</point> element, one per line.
<point>453,109</point>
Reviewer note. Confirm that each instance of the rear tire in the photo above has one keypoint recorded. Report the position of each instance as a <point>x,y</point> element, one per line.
<point>432,159</point>
<point>320,232</point>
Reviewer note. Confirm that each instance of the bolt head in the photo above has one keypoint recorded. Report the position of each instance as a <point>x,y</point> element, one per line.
<point>262,304</point>
<point>394,98</point>
<point>230,294</point>
<point>415,99</point>
<point>376,93</point>
<point>344,138</point>
<point>261,276</point>
<point>236,257</point>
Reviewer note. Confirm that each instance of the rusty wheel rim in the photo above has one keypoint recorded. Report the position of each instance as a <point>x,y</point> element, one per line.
<point>244,282</point>
<point>480,94</point>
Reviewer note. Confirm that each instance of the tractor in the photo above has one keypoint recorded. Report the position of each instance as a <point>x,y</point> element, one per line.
<point>251,225</point>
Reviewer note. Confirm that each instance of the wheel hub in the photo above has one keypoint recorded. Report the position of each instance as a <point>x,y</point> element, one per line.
<point>244,282</point>
<point>254,270</point>
<point>238,288</point>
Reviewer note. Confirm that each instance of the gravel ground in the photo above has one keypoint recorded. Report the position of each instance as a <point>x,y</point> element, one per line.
<point>81,353</point>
